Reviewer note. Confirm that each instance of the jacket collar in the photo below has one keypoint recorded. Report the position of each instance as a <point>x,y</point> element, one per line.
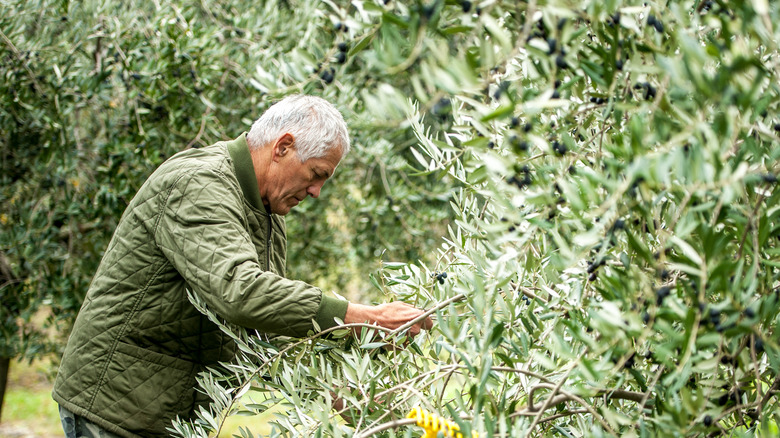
<point>245,171</point>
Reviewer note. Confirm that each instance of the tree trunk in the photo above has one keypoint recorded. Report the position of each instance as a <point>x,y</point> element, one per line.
<point>4,363</point>
<point>6,277</point>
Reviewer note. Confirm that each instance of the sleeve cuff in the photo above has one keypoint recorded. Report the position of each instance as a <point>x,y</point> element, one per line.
<point>330,308</point>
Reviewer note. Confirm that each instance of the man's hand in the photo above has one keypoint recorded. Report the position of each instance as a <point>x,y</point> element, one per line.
<point>388,315</point>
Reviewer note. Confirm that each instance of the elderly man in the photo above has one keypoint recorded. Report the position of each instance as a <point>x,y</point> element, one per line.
<point>211,221</point>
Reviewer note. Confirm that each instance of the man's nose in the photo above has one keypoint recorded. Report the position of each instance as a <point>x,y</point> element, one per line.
<point>314,190</point>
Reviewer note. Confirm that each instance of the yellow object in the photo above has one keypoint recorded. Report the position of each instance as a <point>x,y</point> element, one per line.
<point>433,424</point>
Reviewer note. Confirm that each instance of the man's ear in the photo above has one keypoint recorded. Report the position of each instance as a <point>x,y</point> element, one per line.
<point>284,145</point>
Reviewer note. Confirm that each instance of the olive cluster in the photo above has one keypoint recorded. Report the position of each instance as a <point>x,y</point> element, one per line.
<point>439,276</point>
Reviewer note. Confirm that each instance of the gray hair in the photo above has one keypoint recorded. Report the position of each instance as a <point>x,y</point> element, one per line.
<point>314,122</point>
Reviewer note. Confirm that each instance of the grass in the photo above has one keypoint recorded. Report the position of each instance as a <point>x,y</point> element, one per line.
<point>28,409</point>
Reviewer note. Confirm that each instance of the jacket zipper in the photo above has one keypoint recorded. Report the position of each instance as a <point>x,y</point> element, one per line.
<point>268,245</point>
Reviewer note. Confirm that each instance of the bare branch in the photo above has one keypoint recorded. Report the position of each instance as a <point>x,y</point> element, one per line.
<point>429,312</point>
<point>385,426</point>
<point>572,397</point>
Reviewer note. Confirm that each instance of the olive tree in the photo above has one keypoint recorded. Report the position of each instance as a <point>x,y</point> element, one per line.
<point>611,267</point>
<point>94,95</point>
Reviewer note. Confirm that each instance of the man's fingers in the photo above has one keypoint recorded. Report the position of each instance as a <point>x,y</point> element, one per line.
<point>427,323</point>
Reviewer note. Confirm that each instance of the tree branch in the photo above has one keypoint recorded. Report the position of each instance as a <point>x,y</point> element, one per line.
<point>385,426</point>
<point>566,396</point>
<point>429,312</point>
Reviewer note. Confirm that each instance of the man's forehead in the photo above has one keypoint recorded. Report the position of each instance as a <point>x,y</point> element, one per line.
<point>328,162</point>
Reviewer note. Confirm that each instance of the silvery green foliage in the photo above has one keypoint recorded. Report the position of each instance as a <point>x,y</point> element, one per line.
<point>612,264</point>
<point>600,177</point>
<point>94,95</point>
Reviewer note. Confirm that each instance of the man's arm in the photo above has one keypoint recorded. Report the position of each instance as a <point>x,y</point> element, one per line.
<point>201,232</point>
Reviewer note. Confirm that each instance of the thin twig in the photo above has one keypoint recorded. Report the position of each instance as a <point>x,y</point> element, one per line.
<point>770,391</point>
<point>563,414</point>
<point>389,425</point>
<point>571,397</point>
<point>552,394</point>
<point>527,292</point>
<point>202,128</point>
<point>755,370</point>
<point>413,56</point>
<point>429,312</point>
<point>649,388</point>
<point>446,382</point>
<point>750,225</point>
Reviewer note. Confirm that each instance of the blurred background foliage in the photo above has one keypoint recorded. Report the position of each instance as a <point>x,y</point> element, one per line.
<point>596,179</point>
<point>95,95</point>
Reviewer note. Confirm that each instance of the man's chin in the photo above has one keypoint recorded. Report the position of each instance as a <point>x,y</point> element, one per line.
<point>282,210</point>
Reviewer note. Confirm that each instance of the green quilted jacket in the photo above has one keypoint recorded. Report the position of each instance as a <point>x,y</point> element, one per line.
<point>197,223</point>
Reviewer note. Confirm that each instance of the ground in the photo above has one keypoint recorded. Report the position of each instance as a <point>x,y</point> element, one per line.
<point>28,409</point>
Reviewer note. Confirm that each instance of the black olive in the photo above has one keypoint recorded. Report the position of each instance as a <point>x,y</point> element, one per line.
<point>650,91</point>
<point>559,148</point>
<point>517,144</point>
<point>714,314</point>
<point>553,43</point>
<point>759,345</point>
<point>428,12</point>
<point>561,62</point>
<point>659,27</point>
<point>662,293</point>
<point>327,76</point>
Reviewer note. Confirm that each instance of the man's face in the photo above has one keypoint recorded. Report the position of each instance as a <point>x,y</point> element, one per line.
<point>290,181</point>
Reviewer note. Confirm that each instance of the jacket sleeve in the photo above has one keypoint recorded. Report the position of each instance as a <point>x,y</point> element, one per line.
<point>201,230</point>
